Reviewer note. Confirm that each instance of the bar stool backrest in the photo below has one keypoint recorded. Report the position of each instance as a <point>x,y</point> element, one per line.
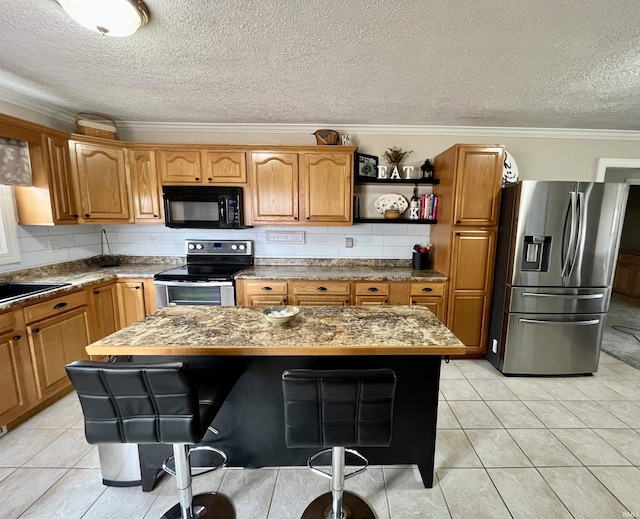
<point>135,403</point>
<point>329,408</point>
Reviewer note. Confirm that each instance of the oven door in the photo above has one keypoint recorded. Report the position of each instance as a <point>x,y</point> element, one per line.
<point>209,293</point>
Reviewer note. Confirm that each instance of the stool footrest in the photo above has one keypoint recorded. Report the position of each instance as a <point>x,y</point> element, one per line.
<point>169,464</point>
<point>328,474</point>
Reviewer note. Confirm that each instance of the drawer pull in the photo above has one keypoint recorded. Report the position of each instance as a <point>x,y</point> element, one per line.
<point>17,337</point>
<point>59,305</point>
<point>427,289</point>
<point>210,179</point>
<point>137,288</point>
<point>266,289</point>
<point>197,179</point>
<point>96,292</point>
<point>321,289</point>
<point>372,289</point>
<point>35,330</point>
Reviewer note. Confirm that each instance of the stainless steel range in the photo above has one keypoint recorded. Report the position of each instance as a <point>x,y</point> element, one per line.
<point>207,278</point>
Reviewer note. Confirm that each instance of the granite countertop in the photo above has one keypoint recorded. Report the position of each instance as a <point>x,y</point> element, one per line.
<point>356,273</point>
<point>316,331</point>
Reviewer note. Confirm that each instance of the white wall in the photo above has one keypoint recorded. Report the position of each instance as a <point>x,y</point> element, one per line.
<point>393,241</point>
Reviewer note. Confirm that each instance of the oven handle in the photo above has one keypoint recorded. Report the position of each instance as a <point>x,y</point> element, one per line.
<point>194,283</point>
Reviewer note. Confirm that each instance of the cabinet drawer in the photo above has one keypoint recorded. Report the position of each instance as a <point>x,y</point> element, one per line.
<point>372,289</point>
<point>55,306</point>
<point>7,322</point>
<point>427,289</point>
<point>322,287</point>
<point>266,287</point>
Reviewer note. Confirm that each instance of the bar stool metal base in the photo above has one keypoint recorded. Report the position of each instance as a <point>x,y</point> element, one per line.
<point>353,507</point>
<point>205,506</point>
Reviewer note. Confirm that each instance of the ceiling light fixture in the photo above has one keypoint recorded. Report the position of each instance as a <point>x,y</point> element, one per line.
<point>109,17</point>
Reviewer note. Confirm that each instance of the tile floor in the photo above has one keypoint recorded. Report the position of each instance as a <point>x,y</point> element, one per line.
<point>506,447</point>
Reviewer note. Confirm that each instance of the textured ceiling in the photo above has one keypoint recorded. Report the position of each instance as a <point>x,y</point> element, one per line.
<point>545,63</point>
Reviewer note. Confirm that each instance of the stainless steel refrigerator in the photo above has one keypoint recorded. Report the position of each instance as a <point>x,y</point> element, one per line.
<point>556,254</point>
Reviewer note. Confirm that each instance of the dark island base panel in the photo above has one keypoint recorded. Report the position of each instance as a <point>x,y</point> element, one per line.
<point>251,422</point>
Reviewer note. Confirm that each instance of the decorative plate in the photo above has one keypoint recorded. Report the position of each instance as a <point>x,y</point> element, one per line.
<point>510,170</point>
<point>391,201</point>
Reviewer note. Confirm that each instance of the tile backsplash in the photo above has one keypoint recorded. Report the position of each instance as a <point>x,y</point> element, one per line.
<point>393,241</point>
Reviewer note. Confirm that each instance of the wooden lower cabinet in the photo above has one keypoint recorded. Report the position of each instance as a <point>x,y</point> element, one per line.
<point>435,304</point>
<point>261,292</point>
<point>321,293</point>
<point>468,319</point>
<point>627,277</point>
<point>131,302</point>
<point>104,311</point>
<point>54,343</point>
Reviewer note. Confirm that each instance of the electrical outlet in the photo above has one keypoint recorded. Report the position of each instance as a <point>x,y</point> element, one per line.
<point>53,245</point>
<point>152,241</point>
<point>348,242</point>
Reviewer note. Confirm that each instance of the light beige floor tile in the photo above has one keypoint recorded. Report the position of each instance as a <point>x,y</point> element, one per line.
<point>70,497</point>
<point>250,491</point>
<point>458,390</point>
<point>471,493</point>
<point>527,495</point>
<point>628,412</point>
<point>554,414</point>
<point>453,449</point>
<point>595,389</point>
<point>593,414</point>
<point>625,371</point>
<point>166,491</point>
<point>514,414</point>
<point>627,388</point>
<point>477,369</point>
<point>90,460</point>
<point>65,451</point>
<point>496,448</point>
<point>370,486</point>
<point>604,373</point>
<point>446,418</point>
<point>543,448</point>
<point>440,396</point>
<point>20,445</point>
<point>4,472</point>
<point>118,503</point>
<point>527,389</point>
<point>561,389</point>
<point>295,489</point>
<point>623,483</point>
<point>474,415</point>
<point>493,390</point>
<point>589,448</point>
<point>625,441</point>
<point>605,358</point>
<point>23,488</point>
<point>64,413</point>
<point>79,424</point>
<point>408,499</point>
<point>450,371</point>
<point>582,493</point>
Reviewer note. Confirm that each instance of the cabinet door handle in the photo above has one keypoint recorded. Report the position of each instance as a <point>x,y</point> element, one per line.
<point>266,289</point>
<point>17,337</point>
<point>197,179</point>
<point>295,218</point>
<point>87,215</point>
<point>137,288</point>
<point>35,330</point>
<point>308,218</point>
<point>413,302</point>
<point>385,302</point>
<point>76,215</point>
<point>210,179</point>
<point>458,221</point>
<point>155,216</point>
<point>372,289</point>
<point>427,289</point>
<point>96,292</point>
<point>321,289</point>
<point>59,305</point>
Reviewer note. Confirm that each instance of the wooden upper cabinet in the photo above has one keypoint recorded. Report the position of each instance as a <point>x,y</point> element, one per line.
<point>102,175</point>
<point>147,195</point>
<point>478,180</point>
<point>179,166</point>
<point>274,178</point>
<point>59,163</point>
<point>225,167</point>
<point>326,187</point>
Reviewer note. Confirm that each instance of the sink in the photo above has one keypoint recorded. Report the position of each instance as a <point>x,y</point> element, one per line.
<point>10,291</point>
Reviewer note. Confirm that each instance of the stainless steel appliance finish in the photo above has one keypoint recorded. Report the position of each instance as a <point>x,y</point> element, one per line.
<point>203,207</point>
<point>207,277</point>
<point>556,253</point>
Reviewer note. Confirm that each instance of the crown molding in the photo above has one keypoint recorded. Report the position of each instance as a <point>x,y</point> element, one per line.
<point>40,107</point>
<point>480,131</point>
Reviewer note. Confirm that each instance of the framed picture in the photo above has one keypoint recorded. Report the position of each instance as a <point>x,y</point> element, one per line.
<point>366,165</point>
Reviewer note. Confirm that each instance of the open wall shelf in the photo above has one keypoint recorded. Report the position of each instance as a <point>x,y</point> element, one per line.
<point>386,181</point>
<point>393,220</point>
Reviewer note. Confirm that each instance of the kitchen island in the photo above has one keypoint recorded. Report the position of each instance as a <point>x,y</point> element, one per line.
<point>224,340</point>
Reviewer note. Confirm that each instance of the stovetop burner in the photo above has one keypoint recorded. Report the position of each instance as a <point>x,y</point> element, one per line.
<point>211,260</point>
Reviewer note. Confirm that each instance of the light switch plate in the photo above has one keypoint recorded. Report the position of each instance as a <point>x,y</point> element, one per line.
<point>295,237</point>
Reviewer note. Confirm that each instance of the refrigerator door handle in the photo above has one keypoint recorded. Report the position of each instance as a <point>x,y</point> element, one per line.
<point>573,203</point>
<point>580,213</point>
<point>561,323</point>
<point>564,296</point>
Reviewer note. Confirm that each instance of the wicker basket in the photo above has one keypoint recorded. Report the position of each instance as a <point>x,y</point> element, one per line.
<point>96,125</point>
<point>324,137</point>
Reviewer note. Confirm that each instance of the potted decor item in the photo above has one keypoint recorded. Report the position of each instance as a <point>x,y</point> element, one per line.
<point>394,157</point>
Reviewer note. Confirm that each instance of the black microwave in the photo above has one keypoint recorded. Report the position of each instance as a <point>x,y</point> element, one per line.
<point>203,207</point>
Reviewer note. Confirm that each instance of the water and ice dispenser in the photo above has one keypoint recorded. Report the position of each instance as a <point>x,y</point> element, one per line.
<point>536,253</point>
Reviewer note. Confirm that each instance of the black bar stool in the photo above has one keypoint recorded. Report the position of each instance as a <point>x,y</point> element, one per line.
<point>335,409</point>
<point>161,403</point>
